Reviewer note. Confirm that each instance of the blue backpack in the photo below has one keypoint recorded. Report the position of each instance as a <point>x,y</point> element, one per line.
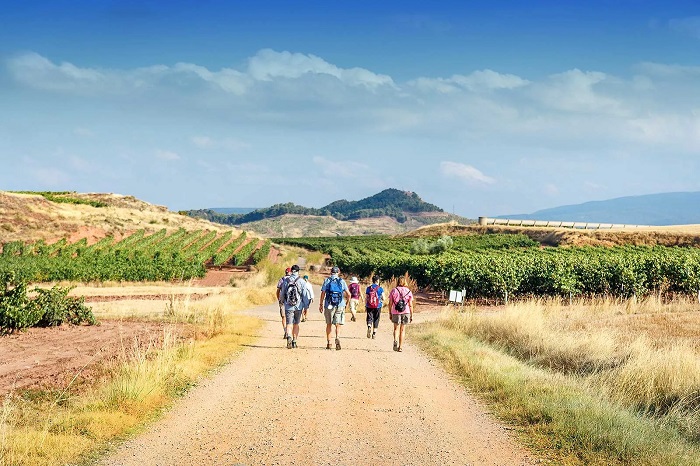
<point>335,292</point>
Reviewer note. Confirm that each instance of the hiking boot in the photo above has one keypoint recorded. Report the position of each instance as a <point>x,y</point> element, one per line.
<point>396,345</point>
<point>369,331</point>
<point>289,342</point>
<point>328,346</point>
<point>294,343</point>
<point>337,344</point>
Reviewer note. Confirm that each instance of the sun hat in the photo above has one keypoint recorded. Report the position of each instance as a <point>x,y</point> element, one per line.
<point>335,269</point>
<point>353,280</point>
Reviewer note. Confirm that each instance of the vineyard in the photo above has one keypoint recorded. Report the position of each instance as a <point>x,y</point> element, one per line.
<point>139,257</point>
<point>503,266</point>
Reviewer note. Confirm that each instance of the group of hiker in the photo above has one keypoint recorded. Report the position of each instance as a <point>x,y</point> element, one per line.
<point>295,295</point>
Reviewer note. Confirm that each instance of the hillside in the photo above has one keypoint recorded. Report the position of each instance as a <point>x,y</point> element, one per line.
<point>653,209</point>
<point>31,217</point>
<point>393,203</point>
<point>295,226</point>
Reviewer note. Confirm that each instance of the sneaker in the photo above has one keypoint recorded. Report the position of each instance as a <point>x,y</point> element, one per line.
<point>399,349</point>
<point>303,318</point>
<point>374,335</point>
<point>337,343</point>
<point>294,343</point>
<point>369,331</point>
<point>289,342</point>
<point>328,346</point>
<point>353,319</point>
<point>396,346</point>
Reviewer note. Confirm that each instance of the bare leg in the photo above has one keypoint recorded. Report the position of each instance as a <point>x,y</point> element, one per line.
<point>402,332</point>
<point>295,331</point>
<point>328,332</point>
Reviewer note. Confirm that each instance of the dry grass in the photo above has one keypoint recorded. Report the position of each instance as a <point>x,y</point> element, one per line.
<point>59,427</point>
<point>619,352</point>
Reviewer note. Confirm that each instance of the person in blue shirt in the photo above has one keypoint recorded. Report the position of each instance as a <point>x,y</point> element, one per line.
<point>373,306</point>
<point>334,295</point>
<point>294,296</point>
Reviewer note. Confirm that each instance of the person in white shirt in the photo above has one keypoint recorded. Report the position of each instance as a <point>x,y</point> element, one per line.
<point>310,287</point>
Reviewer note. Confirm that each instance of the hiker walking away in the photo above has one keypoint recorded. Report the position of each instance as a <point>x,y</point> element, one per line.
<point>374,294</point>
<point>334,295</point>
<point>311,296</point>
<point>354,288</point>
<point>296,300</point>
<point>401,309</point>
<point>280,301</point>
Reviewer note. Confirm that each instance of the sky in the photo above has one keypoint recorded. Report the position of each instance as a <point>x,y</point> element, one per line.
<point>482,108</point>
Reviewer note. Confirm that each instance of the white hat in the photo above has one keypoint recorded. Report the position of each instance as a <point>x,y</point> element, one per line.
<point>353,280</point>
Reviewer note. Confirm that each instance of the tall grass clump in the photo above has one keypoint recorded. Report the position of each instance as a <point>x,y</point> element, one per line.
<point>583,384</point>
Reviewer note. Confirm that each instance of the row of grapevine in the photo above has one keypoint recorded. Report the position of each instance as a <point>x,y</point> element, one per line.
<point>496,272</point>
<point>138,257</point>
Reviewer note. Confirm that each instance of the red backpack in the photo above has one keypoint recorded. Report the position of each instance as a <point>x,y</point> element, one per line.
<point>373,297</point>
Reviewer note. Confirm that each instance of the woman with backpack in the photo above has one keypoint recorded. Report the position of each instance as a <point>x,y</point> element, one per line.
<point>401,311</point>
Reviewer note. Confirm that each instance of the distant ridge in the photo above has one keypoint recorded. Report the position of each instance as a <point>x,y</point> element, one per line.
<point>678,208</point>
<point>233,210</point>
<point>390,202</point>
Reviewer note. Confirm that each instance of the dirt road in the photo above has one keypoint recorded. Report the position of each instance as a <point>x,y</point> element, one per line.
<point>364,404</point>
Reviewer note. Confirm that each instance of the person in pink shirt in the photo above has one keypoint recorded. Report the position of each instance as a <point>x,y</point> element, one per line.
<point>401,311</point>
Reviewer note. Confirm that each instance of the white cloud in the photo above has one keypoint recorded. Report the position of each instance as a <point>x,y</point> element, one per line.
<point>269,64</point>
<point>478,81</point>
<point>466,173</point>
<point>166,155</point>
<point>576,91</point>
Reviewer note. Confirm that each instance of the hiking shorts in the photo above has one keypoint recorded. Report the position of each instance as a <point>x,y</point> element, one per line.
<point>334,316</point>
<point>401,318</point>
<point>293,316</point>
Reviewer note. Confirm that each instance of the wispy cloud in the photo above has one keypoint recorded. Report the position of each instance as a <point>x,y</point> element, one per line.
<point>464,172</point>
<point>226,144</point>
<point>166,155</point>
<point>689,26</point>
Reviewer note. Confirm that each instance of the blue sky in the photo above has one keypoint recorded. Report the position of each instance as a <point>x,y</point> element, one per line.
<point>484,108</point>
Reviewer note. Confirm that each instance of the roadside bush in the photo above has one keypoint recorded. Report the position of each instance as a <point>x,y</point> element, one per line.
<point>17,311</point>
<point>48,308</point>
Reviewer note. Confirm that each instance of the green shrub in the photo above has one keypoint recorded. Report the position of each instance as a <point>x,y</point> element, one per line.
<point>48,308</point>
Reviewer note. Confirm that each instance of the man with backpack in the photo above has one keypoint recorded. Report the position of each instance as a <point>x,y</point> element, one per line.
<point>373,306</point>
<point>334,295</point>
<point>281,301</point>
<point>295,298</point>
<point>401,310</point>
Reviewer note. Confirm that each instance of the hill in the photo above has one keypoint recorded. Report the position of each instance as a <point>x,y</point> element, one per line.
<point>653,209</point>
<point>393,203</point>
<point>389,212</point>
<point>51,216</point>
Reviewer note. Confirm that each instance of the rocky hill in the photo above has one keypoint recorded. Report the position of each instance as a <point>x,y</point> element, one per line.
<point>31,217</point>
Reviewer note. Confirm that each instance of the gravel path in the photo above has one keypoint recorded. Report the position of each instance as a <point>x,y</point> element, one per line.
<point>365,404</point>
